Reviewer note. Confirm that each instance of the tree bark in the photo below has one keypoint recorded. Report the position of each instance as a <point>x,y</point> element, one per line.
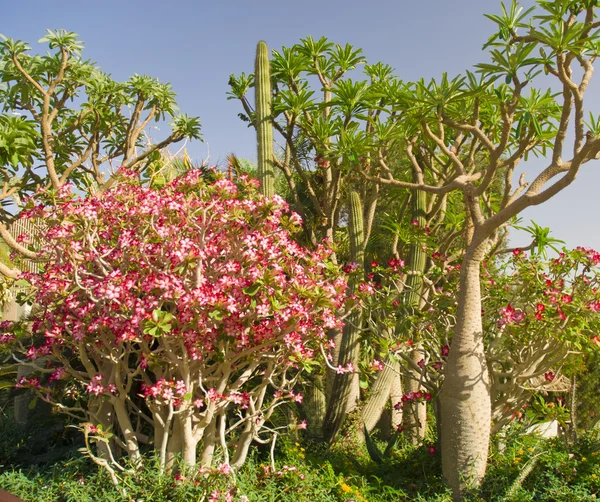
<point>465,396</point>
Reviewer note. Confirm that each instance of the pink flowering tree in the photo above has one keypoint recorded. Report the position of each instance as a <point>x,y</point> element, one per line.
<point>539,317</point>
<point>181,318</point>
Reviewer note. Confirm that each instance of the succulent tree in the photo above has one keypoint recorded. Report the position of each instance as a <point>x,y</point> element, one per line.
<point>64,121</point>
<point>352,122</point>
<point>493,114</point>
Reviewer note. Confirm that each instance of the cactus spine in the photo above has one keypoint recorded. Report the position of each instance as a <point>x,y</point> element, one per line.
<point>346,390</point>
<point>264,129</point>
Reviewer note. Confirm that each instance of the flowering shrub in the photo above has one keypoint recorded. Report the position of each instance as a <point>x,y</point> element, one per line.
<point>190,308</point>
<point>537,314</point>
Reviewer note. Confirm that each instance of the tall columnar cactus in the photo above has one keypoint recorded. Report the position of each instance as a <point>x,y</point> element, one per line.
<point>346,387</point>
<point>415,413</point>
<point>264,128</point>
<point>388,378</point>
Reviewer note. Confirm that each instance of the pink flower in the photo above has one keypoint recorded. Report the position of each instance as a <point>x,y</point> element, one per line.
<point>395,263</point>
<point>510,316</point>
<point>431,450</point>
<point>224,469</point>
<point>445,351</point>
<point>549,376</point>
<point>377,365</point>
<point>566,299</point>
<point>302,425</point>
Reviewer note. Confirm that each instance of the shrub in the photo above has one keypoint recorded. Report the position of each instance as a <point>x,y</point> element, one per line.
<point>179,317</point>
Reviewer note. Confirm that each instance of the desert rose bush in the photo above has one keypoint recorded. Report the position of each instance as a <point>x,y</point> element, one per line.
<point>540,316</point>
<point>180,317</point>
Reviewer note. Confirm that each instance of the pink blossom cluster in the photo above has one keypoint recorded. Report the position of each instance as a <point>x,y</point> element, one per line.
<point>198,273</point>
<point>509,315</point>
<point>413,397</point>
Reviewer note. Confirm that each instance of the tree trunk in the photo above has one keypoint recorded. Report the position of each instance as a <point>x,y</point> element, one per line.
<point>395,397</point>
<point>209,441</point>
<point>345,393</point>
<point>415,414</point>
<point>465,396</point>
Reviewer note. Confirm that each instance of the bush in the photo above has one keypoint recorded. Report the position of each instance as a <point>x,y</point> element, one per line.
<point>186,330</point>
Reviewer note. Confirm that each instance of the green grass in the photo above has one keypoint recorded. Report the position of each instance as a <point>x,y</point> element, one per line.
<point>303,472</point>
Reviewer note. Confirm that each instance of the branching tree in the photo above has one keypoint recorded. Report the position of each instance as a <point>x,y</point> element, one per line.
<point>452,120</point>
<point>76,123</point>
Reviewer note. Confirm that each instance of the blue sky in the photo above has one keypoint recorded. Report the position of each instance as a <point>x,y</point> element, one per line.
<point>197,44</point>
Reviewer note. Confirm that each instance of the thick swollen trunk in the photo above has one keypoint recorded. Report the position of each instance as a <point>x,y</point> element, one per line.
<point>243,445</point>
<point>104,412</point>
<point>189,446</point>
<point>209,441</point>
<point>133,450</point>
<point>465,396</point>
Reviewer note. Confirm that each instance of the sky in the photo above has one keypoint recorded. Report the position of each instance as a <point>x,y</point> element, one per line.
<point>196,44</point>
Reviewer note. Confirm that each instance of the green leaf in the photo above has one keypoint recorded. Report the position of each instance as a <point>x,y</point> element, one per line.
<point>374,452</point>
<point>33,403</point>
<point>391,444</point>
<point>217,315</point>
<point>252,290</point>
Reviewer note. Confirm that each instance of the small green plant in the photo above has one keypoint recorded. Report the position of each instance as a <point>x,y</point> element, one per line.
<point>374,452</point>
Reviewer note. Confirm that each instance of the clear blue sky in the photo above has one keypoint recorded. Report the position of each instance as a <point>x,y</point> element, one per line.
<point>197,44</point>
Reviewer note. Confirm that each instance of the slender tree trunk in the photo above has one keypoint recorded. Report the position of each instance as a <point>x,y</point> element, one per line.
<point>573,410</point>
<point>465,396</point>
<point>415,414</point>
<point>345,394</point>
<point>395,397</point>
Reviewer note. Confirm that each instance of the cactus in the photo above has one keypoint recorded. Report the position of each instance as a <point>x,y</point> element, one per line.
<point>415,413</point>
<point>264,128</point>
<point>346,386</point>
